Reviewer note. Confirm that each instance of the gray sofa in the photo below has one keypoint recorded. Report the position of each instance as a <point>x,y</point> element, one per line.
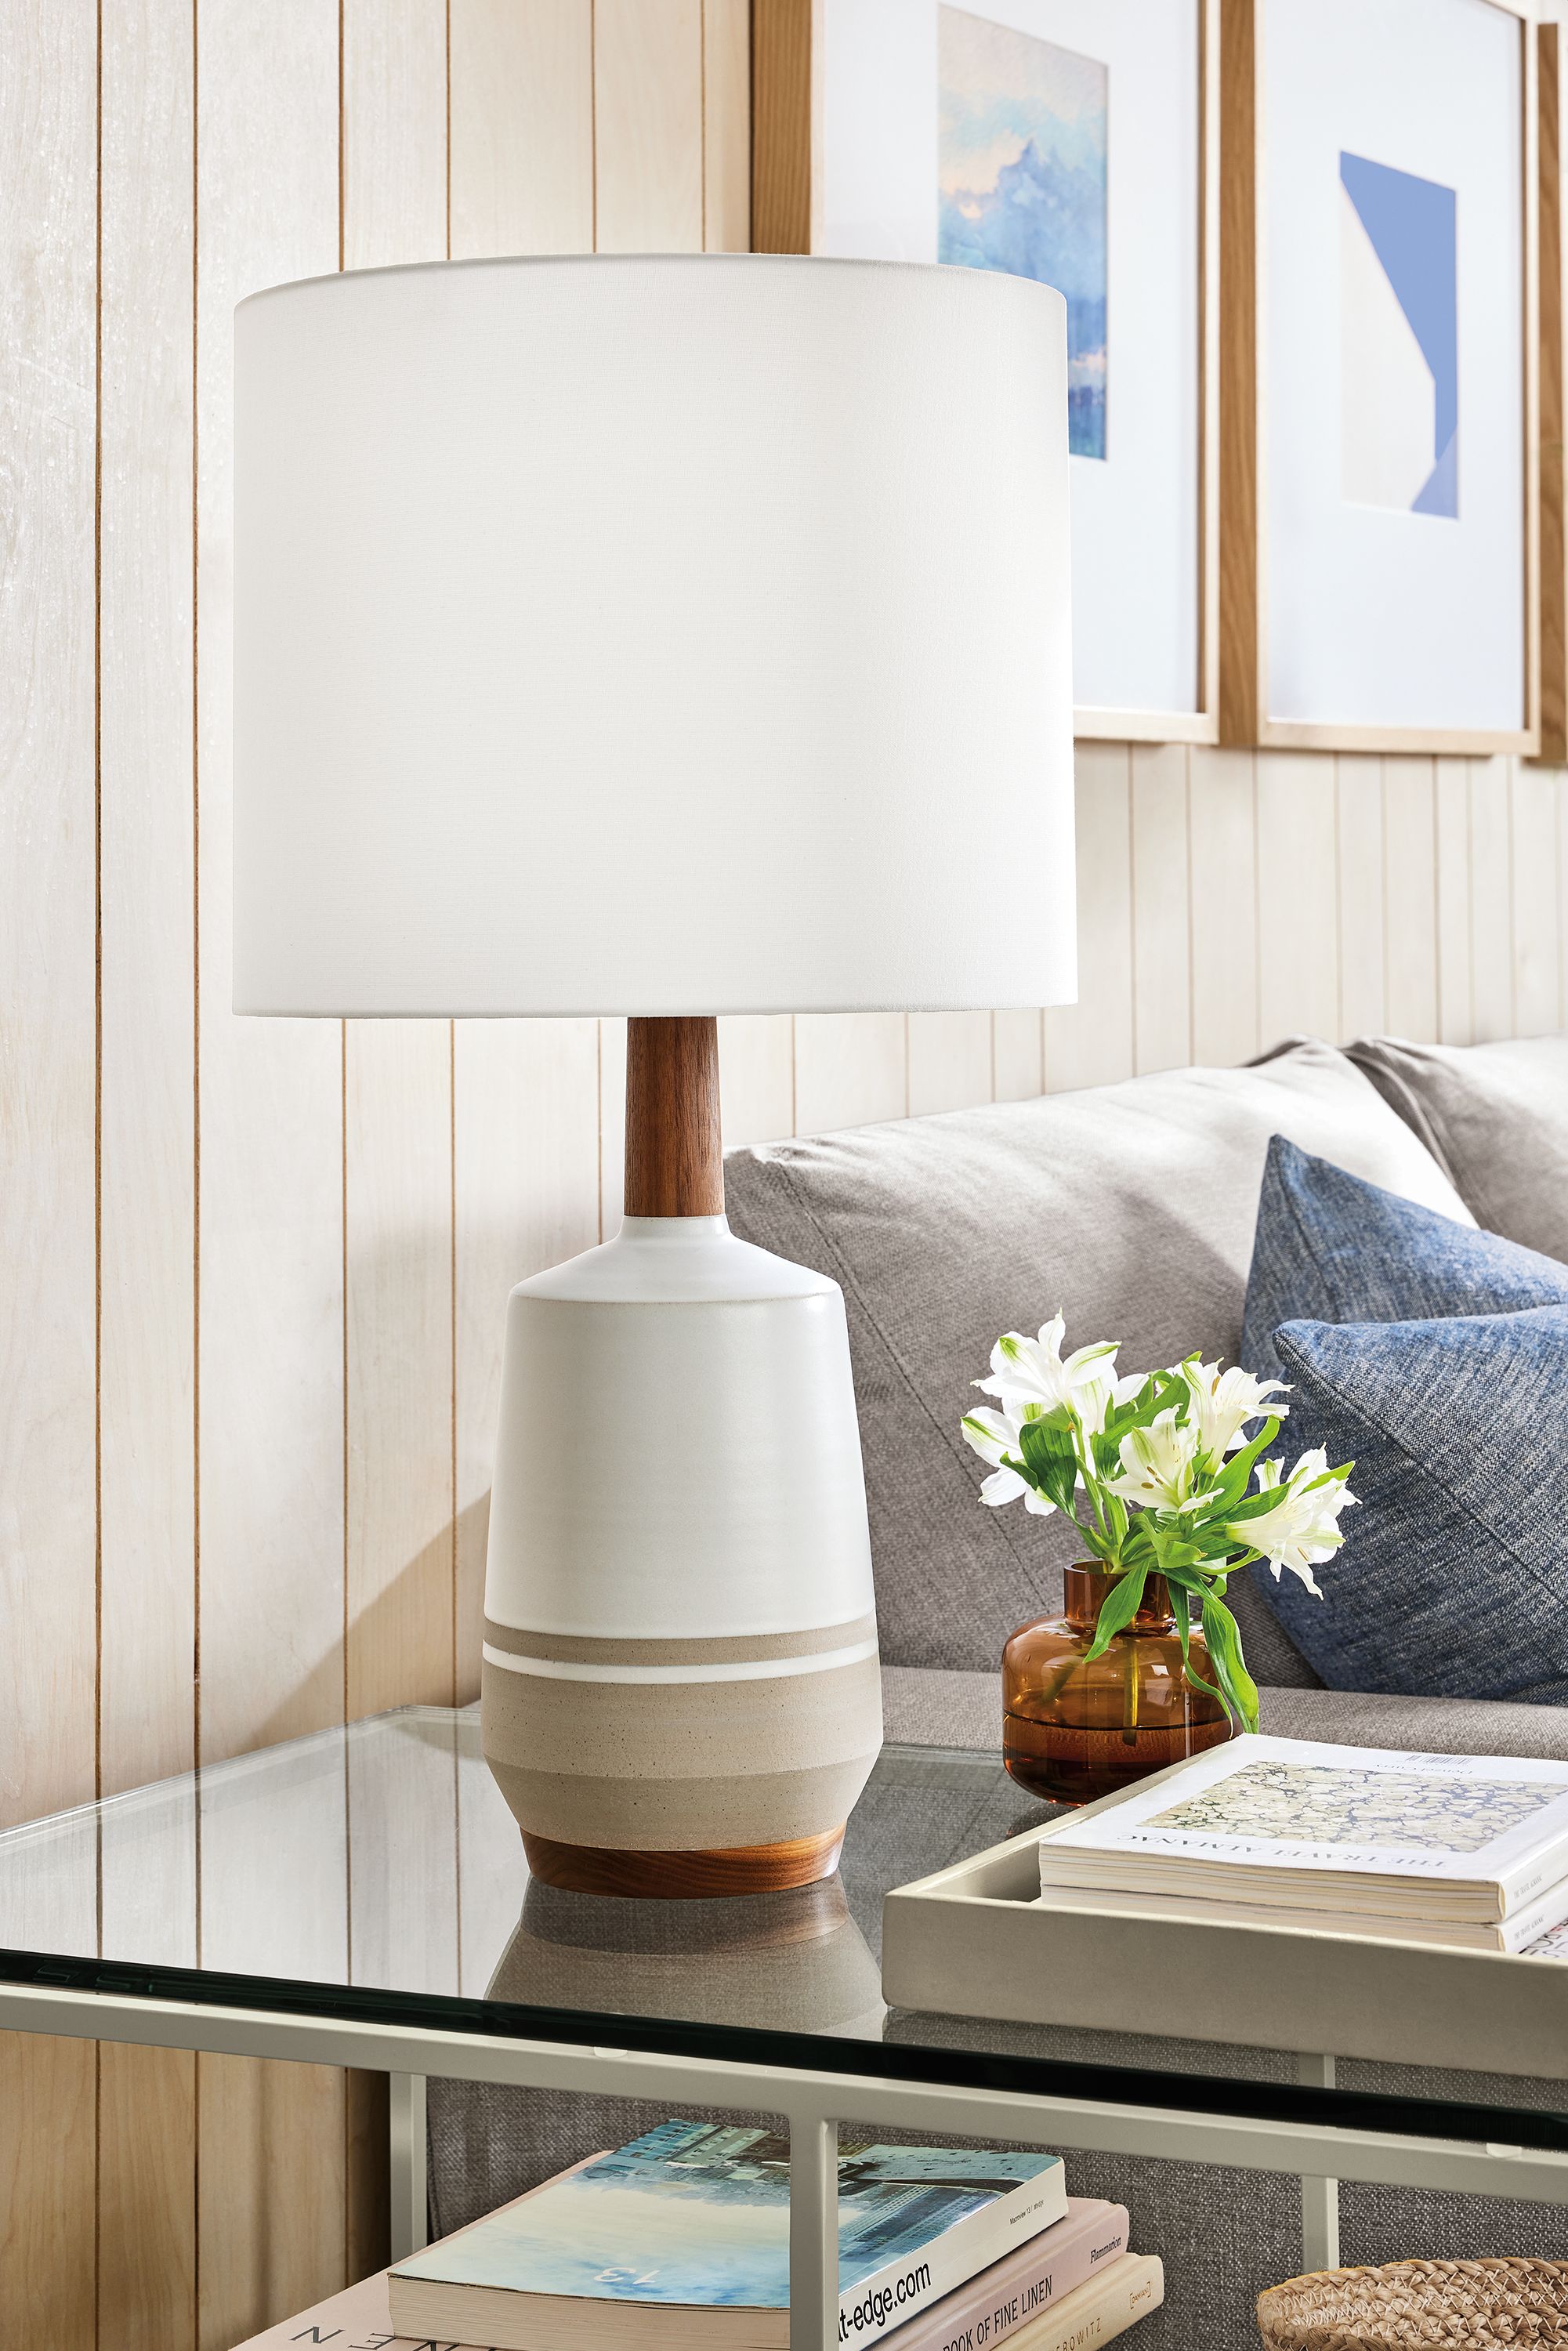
<point>1131,1209</point>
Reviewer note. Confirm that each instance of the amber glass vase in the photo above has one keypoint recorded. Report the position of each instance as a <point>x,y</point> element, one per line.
<point>1072,1731</point>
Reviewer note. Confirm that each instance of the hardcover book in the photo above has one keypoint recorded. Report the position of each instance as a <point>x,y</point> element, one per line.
<point>1290,1823</point>
<point>1117,2293</point>
<point>1530,1930</point>
<point>684,2237</point>
<point>1107,2306</point>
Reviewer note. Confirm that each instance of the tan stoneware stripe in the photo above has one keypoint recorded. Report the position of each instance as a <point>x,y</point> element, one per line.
<point>682,1730</point>
<point>715,1649</point>
<point>688,1815</point>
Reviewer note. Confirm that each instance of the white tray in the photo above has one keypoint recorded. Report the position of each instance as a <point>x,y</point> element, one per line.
<point>973,1941</point>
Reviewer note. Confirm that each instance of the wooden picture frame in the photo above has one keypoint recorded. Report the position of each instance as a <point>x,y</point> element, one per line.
<point>1246,717</point>
<point>786,55</point>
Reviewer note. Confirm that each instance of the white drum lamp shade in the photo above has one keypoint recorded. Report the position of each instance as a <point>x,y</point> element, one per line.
<point>659,636</point>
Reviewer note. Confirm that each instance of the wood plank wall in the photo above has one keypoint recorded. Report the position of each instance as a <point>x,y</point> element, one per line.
<point>253,1272</point>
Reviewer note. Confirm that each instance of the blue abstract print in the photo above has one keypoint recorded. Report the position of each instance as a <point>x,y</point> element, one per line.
<point>1399,326</point>
<point>1021,167</point>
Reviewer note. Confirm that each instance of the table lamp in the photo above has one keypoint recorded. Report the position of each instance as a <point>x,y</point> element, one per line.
<point>660,637</point>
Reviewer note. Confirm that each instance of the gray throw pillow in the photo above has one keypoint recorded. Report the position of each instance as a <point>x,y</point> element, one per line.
<point>1453,1579</point>
<point>1130,1206</point>
<point>1495,1119</point>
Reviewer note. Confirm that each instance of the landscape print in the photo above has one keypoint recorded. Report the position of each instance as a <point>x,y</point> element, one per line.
<point>1399,340</point>
<point>1022,180</point>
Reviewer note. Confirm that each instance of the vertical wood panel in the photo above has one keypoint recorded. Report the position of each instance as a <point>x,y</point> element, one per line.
<point>146,2176</point>
<point>1162,959</point>
<point>1562,781</point>
<point>757,1076</point>
<point>47,1055</point>
<point>648,112</point>
<point>270,2215</point>
<point>48,2261</point>
<point>1298,885</point>
<point>726,126</point>
<point>852,1069</point>
<point>270,2212</point>
<point>395,132</point>
<point>522,127</point>
<point>48,984</point>
<point>1225,916</point>
<point>397,1116</point>
<point>1089,1043</point>
<point>949,1060</point>
<point>1455,991</point>
<point>367,2218</point>
<point>47,2095</point>
<point>1492,900</point>
<point>1537,916</point>
<point>1358,792</point>
<point>611,1126</point>
<point>1410,899</point>
<point>271,1301</point>
<point>525,1108</point>
<point>1018,1055</point>
<point>147,1358</point>
<point>147,2198</point>
<point>397,1203</point>
<point>526,1177</point>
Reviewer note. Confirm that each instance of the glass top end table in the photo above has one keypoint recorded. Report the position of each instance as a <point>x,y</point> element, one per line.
<point>360,1897</point>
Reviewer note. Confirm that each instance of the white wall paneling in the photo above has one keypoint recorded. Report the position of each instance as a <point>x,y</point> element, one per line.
<point>1410,898</point>
<point>49,1530</point>
<point>1162,907</point>
<point>1491,899</point>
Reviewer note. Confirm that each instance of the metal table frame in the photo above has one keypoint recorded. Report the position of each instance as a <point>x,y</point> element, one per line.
<point>814,2102</point>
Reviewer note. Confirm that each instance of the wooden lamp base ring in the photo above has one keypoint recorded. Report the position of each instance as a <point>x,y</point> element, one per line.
<point>683,1877</point>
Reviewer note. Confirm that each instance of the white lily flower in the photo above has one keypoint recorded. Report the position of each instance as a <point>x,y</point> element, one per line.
<point>1157,1464</point>
<point>1223,1402</point>
<point>1302,1530</point>
<point>992,1435</point>
<point>1032,1371</point>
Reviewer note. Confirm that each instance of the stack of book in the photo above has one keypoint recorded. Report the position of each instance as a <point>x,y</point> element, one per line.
<point>1463,1850</point>
<point>683,2238</point>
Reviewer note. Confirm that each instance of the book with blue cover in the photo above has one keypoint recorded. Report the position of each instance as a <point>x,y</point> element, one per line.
<point>684,2237</point>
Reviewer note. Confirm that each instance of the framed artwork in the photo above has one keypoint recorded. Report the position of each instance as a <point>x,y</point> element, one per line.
<point>1378,492</point>
<point>1076,141</point>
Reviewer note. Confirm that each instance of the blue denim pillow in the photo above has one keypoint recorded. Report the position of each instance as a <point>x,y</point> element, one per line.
<point>1331,1249</point>
<point>1453,1580</point>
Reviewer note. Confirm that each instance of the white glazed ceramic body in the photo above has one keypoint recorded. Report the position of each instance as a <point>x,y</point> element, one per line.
<point>680,1640</point>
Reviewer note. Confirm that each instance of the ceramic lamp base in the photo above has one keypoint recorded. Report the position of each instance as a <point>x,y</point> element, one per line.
<point>680,1676</point>
<point>685,1876</point>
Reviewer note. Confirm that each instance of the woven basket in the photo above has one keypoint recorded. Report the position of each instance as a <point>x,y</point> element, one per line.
<point>1476,2303</point>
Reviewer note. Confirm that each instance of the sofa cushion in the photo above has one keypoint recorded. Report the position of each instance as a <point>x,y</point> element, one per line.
<point>1330,1248</point>
<point>1130,1206</point>
<point>955,1709</point>
<point>1453,1580</point>
<point>1496,1118</point>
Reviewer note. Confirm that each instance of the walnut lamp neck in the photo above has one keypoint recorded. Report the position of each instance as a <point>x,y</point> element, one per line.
<point>675,1154</point>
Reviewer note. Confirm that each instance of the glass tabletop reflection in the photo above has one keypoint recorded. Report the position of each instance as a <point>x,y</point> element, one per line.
<point>374,1873</point>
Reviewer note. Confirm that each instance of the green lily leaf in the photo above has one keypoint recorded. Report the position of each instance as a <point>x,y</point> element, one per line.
<point>1179,1610</point>
<point>1048,1450</point>
<point>1224,1638</point>
<point>1119,1607</point>
<point>1231,1486</point>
